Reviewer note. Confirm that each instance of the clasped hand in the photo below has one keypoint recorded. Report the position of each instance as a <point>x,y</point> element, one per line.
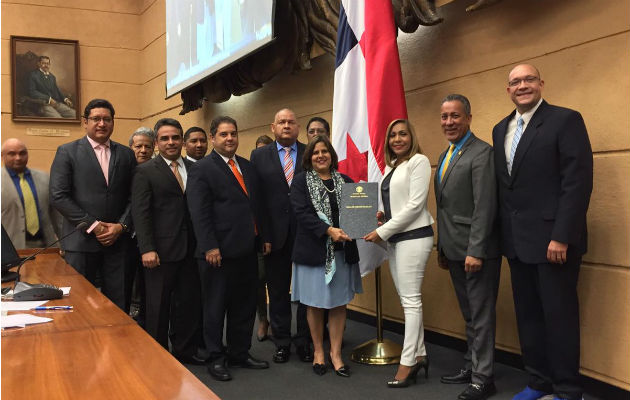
<point>107,233</point>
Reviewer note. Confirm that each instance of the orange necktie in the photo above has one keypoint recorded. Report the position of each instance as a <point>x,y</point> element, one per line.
<point>238,175</point>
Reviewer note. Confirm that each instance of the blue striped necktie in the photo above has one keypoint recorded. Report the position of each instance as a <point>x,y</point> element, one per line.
<point>515,140</point>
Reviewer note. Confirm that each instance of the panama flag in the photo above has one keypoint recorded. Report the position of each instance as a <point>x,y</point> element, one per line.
<point>368,95</point>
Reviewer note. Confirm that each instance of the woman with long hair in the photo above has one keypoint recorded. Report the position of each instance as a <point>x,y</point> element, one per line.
<point>405,223</point>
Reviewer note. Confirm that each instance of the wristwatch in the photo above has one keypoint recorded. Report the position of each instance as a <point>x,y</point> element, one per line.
<point>124,227</point>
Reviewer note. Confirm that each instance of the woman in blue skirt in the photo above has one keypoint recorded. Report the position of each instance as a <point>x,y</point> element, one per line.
<point>325,271</point>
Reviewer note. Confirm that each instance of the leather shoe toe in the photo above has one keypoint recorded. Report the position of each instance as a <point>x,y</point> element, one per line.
<point>343,371</point>
<point>250,363</point>
<point>462,376</point>
<point>477,391</point>
<point>304,353</point>
<point>218,371</point>
<point>319,369</point>
<point>282,355</point>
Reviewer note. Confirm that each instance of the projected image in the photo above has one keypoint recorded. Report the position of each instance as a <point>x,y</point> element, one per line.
<point>203,36</point>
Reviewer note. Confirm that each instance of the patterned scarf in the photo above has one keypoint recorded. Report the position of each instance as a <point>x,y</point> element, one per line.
<point>321,201</point>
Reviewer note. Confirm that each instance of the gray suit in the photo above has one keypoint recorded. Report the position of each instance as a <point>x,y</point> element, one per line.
<point>13,218</point>
<point>79,192</point>
<point>466,216</point>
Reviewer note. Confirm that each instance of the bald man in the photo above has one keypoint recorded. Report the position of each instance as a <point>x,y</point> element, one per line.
<point>276,164</point>
<point>26,213</point>
<point>544,170</point>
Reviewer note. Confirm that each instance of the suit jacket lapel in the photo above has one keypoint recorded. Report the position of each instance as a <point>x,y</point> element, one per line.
<point>92,161</point>
<point>113,161</point>
<point>455,158</point>
<point>528,137</point>
<point>227,170</point>
<point>500,151</point>
<point>438,184</point>
<point>298,160</point>
<point>164,169</point>
<point>275,158</point>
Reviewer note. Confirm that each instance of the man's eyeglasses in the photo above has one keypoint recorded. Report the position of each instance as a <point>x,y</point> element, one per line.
<point>96,120</point>
<point>528,79</point>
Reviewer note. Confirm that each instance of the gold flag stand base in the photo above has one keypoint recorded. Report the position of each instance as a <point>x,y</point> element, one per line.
<point>377,351</point>
<point>374,352</point>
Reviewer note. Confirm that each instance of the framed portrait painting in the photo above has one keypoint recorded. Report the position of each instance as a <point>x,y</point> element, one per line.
<point>45,79</point>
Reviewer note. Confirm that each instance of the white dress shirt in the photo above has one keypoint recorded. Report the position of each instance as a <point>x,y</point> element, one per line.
<point>511,129</point>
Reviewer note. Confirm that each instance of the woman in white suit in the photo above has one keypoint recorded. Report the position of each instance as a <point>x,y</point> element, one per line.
<point>405,223</point>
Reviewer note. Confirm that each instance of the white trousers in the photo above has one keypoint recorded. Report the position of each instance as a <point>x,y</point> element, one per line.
<point>407,262</point>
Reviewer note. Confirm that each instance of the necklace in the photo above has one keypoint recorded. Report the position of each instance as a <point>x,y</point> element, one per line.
<point>328,190</point>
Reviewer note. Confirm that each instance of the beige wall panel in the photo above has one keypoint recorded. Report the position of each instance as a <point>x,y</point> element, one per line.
<point>603,109</point>
<point>20,130</point>
<point>468,43</point>
<point>307,93</point>
<point>605,316</point>
<point>153,24</point>
<point>124,97</point>
<point>114,6</point>
<point>152,61</point>
<point>608,214</point>
<point>152,94</point>
<point>145,4</point>
<point>109,65</point>
<point>91,28</point>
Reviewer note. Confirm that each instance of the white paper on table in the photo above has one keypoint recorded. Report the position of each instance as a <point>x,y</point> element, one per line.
<point>21,305</point>
<point>20,320</point>
<point>65,290</point>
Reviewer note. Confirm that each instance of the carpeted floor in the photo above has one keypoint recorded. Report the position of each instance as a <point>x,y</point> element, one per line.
<point>295,379</point>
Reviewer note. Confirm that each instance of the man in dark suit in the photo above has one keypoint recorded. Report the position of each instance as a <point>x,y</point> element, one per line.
<point>223,197</point>
<point>90,181</point>
<point>42,86</point>
<point>166,242</point>
<point>544,169</point>
<point>468,242</point>
<point>276,164</point>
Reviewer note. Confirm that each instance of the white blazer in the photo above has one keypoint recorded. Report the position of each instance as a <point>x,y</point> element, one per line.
<point>408,191</point>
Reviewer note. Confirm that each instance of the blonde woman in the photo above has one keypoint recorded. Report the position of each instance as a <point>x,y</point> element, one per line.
<point>405,223</point>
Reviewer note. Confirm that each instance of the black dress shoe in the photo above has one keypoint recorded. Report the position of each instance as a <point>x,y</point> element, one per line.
<point>218,370</point>
<point>411,378</point>
<point>250,362</point>
<point>462,376</point>
<point>282,355</point>
<point>477,391</point>
<point>343,371</point>
<point>304,353</point>
<point>319,369</point>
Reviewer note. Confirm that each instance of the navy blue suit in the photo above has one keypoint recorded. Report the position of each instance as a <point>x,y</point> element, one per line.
<point>277,198</point>
<point>546,198</point>
<point>226,218</point>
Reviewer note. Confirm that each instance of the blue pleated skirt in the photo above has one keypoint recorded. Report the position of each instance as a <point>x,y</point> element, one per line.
<point>309,284</point>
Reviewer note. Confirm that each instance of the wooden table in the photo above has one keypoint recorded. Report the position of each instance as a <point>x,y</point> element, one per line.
<point>95,351</point>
